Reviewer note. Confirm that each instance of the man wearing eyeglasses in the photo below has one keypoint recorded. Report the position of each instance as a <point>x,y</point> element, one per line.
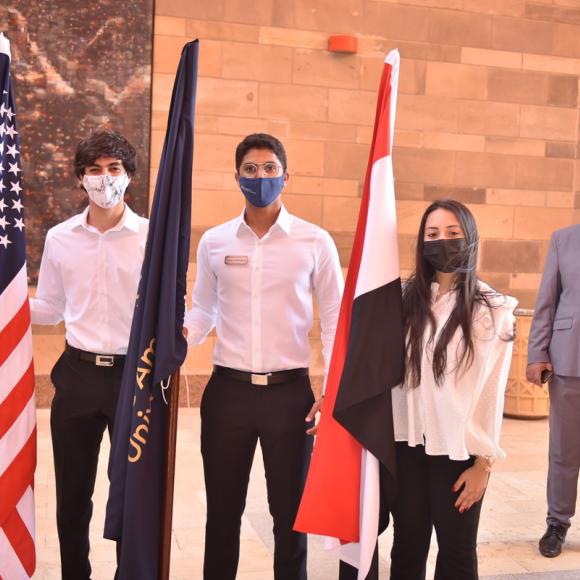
<point>256,275</point>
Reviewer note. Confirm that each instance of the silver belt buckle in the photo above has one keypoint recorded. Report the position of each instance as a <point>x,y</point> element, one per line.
<point>104,360</point>
<point>261,380</point>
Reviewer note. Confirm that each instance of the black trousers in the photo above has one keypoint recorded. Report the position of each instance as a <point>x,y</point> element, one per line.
<point>425,500</point>
<point>83,407</point>
<point>234,416</point>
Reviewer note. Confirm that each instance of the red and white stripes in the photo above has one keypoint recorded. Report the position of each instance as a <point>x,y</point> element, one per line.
<point>17,433</point>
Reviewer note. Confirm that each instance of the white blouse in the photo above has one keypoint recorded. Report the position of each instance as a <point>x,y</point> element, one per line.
<point>462,416</point>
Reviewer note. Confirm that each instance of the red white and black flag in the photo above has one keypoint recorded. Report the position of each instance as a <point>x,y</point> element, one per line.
<point>355,437</point>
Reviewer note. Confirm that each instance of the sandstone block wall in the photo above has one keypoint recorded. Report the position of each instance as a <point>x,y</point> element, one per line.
<point>487,114</point>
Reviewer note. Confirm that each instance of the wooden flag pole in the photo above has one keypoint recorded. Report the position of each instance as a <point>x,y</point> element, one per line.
<point>169,478</point>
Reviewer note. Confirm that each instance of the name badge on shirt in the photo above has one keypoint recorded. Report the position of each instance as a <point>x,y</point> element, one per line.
<point>236,260</point>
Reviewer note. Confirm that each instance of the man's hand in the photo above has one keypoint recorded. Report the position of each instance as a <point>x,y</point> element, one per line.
<point>534,372</point>
<point>474,481</point>
<point>314,410</point>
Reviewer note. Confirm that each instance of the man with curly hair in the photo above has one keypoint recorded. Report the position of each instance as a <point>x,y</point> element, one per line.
<point>88,278</point>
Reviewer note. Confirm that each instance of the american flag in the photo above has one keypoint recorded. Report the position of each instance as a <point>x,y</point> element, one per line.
<point>17,404</point>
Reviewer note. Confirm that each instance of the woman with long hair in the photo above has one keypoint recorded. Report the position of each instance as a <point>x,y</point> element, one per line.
<point>448,411</point>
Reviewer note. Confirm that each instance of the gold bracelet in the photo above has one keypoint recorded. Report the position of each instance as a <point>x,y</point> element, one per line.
<point>486,461</point>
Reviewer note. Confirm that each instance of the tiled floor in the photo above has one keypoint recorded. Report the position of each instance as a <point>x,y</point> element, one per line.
<point>512,517</point>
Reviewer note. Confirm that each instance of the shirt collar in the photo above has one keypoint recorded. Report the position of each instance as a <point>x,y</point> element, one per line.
<point>283,221</point>
<point>79,220</point>
<point>445,298</point>
<point>129,221</point>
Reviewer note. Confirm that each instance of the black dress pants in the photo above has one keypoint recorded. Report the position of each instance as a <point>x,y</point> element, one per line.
<point>83,407</point>
<point>234,416</point>
<point>425,500</point>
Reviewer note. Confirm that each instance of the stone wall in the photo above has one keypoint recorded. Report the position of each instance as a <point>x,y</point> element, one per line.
<point>74,70</point>
<point>487,114</point>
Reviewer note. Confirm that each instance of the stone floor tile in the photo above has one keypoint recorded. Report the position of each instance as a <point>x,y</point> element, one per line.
<point>512,518</point>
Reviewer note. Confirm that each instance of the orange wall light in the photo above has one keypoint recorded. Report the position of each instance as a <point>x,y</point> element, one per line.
<point>343,43</point>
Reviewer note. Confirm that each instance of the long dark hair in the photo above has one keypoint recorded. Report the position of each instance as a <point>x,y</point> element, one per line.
<point>417,314</point>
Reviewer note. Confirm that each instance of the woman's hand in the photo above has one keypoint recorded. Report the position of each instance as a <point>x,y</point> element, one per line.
<point>311,415</point>
<point>474,482</point>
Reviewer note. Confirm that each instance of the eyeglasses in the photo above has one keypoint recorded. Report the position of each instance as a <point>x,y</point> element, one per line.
<point>270,169</point>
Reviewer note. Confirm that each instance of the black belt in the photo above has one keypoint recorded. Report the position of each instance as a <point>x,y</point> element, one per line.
<point>262,379</point>
<point>101,360</point>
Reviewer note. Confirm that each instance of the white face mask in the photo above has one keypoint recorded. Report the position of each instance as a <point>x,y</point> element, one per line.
<point>106,190</point>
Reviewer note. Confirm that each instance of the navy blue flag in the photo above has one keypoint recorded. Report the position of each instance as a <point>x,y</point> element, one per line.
<point>157,347</point>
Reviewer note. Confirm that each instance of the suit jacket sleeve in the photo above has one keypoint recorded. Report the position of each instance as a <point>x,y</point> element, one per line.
<point>546,304</point>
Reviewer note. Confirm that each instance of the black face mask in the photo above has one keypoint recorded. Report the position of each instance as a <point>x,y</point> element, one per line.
<point>446,255</point>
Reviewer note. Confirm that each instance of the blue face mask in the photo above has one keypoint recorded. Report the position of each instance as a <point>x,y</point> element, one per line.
<point>261,191</point>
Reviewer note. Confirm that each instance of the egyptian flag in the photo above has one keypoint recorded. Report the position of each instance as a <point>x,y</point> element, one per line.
<point>355,441</point>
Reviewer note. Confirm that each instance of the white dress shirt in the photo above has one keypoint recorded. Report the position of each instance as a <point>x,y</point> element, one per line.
<point>89,279</point>
<point>462,416</point>
<point>258,293</point>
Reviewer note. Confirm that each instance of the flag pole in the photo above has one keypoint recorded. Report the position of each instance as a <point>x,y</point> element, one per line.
<point>169,477</point>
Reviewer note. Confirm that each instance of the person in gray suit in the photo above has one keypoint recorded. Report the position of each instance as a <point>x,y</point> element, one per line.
<point>554,350</point>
